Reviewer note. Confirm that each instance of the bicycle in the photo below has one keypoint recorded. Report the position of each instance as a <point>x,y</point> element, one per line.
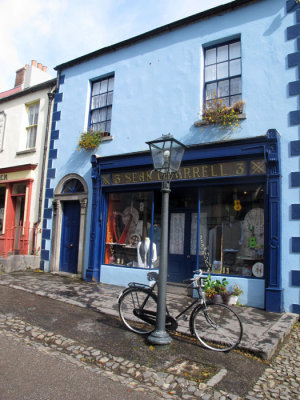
<point>216,326</point>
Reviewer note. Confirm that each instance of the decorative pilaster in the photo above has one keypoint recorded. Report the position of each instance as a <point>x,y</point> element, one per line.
<point>81,247</point>
<point>93,271</point>
<point>274,293</point>
<point>56,228</point>
<point>293,32</point>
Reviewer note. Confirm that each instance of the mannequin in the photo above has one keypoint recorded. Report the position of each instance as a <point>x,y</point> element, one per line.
<point>143,253</point>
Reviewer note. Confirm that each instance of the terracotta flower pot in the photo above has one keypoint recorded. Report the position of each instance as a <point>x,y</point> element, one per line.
<point>218,299</point>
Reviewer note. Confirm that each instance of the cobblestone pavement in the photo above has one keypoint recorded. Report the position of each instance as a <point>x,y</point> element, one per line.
<point>263,332</point>
<point>133,375</point>
<point>281,378</point>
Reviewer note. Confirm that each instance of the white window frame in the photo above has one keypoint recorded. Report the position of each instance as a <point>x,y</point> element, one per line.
<point>31,128</point>
<point>2,128</point>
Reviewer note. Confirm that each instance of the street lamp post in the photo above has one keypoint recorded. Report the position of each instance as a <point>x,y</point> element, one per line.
<point>167,154</point>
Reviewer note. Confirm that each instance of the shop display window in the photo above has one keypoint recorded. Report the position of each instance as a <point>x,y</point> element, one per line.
<point>128,234</point>
<point>2,204</point>
<point>227,237</point>
<point>231,237</point>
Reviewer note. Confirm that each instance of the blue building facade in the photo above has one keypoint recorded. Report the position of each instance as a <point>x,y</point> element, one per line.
<point>234,203</point>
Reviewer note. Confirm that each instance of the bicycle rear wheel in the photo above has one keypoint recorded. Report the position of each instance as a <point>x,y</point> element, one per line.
<point>217,327</point>
<point>133,301</point>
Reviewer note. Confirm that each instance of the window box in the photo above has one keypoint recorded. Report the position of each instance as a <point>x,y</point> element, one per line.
<point>201,122</point>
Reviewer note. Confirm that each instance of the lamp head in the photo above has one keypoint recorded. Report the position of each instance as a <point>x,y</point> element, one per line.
<point>167,153</point>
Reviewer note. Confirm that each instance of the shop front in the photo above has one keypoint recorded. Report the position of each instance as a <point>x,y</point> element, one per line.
<point>224,217</point>
<point>16,234</point>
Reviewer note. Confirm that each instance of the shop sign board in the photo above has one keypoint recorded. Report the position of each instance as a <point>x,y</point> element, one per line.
<point>188,172</point>
<point>15,176</point>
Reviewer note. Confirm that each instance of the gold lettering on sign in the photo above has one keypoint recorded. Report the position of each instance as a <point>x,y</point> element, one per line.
<point>178,175</point>
<point>240,170</point>
<point>116,179</point>
<point>213,171</point>
<point>222,173</point>
<point>186,173</point>
<point>196,172</point>
<point>189,172</point>
<point>204,171</point>
<point>149,176</point>
<point>142,177</point>
<point>105,179</point>
<point>127,178</point>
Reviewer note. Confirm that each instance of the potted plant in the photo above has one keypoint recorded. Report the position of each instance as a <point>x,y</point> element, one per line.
<point>214,289</point>
<point>230,297</point>
<point>220,288</point>
<point>90,140</point>
<point>236,291</point>
<point>209,288</point>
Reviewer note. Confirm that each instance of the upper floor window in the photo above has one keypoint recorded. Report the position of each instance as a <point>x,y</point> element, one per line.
<point>101,104</point>
<point>223,73</point>
<point>2,128</point>
<point>31,129</point>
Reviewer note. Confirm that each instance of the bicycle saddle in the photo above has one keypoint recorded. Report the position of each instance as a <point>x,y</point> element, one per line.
<point>152,276</point>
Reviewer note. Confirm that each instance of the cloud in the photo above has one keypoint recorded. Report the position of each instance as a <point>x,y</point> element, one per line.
<point>55,31</point>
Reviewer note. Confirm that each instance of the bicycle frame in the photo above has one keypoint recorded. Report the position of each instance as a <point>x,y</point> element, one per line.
<point>142,294</point>
<point>150,289</point>
<point>150,316</point>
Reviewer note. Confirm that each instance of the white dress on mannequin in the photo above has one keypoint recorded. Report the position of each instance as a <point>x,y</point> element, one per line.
<point>143,253</point>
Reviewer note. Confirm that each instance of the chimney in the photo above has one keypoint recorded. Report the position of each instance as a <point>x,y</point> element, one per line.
<point>33,63</point>
<point>20,74</point>
<point>44,68</point>
<point>39,66</point>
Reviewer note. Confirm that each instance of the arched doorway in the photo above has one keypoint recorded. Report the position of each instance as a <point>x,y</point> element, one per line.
<point>69,220</point>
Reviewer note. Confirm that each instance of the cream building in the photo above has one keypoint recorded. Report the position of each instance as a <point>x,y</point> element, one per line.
<point>25,118</point>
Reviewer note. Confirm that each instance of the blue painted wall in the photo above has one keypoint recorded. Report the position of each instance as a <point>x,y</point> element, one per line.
<point>159,89</point>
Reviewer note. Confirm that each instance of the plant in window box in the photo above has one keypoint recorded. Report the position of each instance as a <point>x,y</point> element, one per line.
<point>90,140</point>
<point>217,113</point>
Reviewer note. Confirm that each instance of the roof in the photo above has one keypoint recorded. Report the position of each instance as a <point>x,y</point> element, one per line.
<point>12,93</point>
<point>155,32</point>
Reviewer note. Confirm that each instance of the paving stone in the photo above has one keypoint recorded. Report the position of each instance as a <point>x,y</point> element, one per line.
<point>280,380</point>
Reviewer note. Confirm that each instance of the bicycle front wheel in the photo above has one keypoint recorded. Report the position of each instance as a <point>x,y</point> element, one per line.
<point>131,303</point>
<point>217,327</point>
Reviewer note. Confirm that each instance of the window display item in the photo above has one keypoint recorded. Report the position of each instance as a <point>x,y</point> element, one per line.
<point>123,223</point>
<point>143,253</point>
<point>237,205</point>
<point>258,270</point>
<point>128,218</point>
<point>253,227</point>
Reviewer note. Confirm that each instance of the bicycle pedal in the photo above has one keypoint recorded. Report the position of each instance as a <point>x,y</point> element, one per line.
<point>185,318</point>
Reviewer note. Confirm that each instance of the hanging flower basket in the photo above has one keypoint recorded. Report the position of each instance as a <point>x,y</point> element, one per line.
<point>90,140</point>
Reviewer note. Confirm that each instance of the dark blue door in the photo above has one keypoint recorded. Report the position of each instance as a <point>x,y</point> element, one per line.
<point>182,245</point>
<point>70,237</point>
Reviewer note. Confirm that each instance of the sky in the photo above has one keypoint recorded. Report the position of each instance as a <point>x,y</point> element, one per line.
<point>55,31</point>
